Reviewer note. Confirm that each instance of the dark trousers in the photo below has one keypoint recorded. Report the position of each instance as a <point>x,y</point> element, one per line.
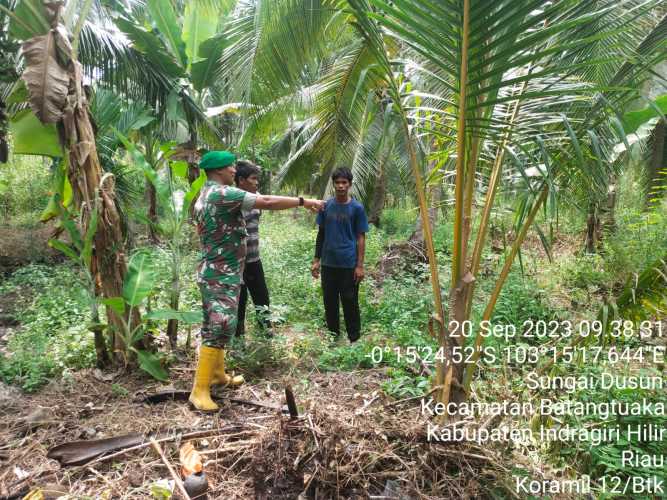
<point>338,283</point>
<point>253,282</point>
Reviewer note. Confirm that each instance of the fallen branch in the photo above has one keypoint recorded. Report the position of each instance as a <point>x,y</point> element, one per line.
<point>179,484</point>
<point>146,442</point>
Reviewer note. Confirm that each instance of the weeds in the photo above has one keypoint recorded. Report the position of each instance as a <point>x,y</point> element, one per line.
<point>24,190</point>
<point>52,335</point>
<point>520,301</point>
<point>607,458</point>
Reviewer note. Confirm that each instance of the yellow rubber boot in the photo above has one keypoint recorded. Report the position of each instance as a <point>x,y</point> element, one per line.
<point>220,377</point>
<point>200,396</point>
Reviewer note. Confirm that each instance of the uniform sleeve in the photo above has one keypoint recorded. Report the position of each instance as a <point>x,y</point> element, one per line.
<point>233,199</point>
<point>360,220</point>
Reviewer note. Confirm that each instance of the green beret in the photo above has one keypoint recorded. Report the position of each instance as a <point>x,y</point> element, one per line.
<point>217,159</point>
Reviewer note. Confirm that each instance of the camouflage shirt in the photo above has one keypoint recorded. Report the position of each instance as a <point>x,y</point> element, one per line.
<point>222,232</point>
<point>252,227</point>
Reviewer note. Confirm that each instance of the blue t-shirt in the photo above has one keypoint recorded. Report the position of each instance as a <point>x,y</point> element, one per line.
<point>342,222</point>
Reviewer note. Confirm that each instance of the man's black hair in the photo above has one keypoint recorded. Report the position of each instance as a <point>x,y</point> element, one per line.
<point>245,169</point>
<point>343,172</point>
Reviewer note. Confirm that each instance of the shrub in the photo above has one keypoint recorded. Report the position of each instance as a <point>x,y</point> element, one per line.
<point>398,222</point>
<point>586,272</point>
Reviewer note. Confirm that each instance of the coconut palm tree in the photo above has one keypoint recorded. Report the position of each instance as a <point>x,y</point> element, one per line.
<point>297,98</point>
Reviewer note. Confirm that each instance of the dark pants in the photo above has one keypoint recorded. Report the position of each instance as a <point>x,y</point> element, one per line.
<point>339,283</point>
<point>254,282</point>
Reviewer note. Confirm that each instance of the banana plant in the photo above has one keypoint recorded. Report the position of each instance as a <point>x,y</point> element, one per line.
<point>175,205</point>
<point>140,281</point>
<point>80,251</point>
<point>53,79</point>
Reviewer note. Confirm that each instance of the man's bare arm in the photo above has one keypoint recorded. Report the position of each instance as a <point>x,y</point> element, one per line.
<point>361,252</point>
<point>319,242</point>
<point>269,202</point>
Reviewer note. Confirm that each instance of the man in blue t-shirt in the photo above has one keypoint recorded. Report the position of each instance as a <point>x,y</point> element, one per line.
<point>339,255</point>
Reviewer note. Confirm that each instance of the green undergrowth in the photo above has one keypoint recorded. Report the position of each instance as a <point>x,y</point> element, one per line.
<point>395,308</point>
<point>52,337</point>
<point>606,458</point>
<point>24,190</point>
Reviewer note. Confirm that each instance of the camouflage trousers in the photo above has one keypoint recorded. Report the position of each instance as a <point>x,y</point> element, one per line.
<point>220,303</point>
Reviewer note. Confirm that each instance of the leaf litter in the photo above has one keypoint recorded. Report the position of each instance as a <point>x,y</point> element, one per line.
<point>349,441</point>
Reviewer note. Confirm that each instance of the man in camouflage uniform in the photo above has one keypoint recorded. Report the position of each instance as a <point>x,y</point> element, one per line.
<point>221,228</point>
<point>222,233</point>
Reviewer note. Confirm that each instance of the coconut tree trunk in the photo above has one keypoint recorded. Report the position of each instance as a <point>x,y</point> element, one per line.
<point>4,148</point>
<point>608,225</point>
<point>193,167</point>
<point>417,236</point>
<point>151,146</point>
<point>592,229</point>
<point>379,197</point>
<point>172,324</point>
<point>657,174</point>
<point>152,211</point>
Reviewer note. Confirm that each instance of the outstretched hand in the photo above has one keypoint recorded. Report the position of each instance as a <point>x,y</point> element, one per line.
<point>314,205</point>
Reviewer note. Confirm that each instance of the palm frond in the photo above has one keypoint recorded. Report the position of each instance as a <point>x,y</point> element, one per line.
<point>111,113</point>
<point>342,99</point>
<point>266,54</point>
